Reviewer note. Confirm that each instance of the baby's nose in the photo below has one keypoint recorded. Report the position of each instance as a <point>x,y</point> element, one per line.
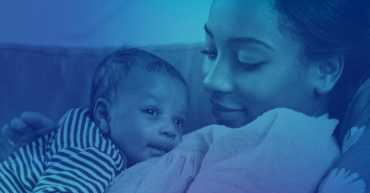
<point>169,130</point>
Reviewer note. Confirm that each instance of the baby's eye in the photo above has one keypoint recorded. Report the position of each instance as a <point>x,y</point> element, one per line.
<point>151,112</point>
<point>211,55</point>
<point>179,122</point>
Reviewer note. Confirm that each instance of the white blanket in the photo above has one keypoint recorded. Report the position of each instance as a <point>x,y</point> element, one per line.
<point>281,151</point>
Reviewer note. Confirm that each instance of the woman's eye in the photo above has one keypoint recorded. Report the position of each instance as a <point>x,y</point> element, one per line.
<point>179,122</point>
<point>209,54</point>
<point>151,112</point>
<point>251,66</point>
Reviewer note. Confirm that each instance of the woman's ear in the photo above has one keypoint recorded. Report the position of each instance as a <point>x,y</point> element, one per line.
<point>329,72</point>
<point>101,114</point>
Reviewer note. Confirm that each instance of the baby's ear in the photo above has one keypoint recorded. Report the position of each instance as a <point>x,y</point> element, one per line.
<point>101,115</point>
<point>329,72</point>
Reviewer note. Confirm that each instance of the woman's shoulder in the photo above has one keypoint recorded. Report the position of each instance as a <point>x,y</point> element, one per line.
<point>289,117</point>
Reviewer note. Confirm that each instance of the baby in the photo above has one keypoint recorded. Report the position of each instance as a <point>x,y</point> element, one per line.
<point>138,109</point>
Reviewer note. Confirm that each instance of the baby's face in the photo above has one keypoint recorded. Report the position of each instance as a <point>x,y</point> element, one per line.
<point>148,114</point>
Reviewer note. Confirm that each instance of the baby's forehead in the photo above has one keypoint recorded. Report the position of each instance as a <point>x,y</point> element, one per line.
<point>143,73</point>
<point>147,84</point>
<point>140,76</point>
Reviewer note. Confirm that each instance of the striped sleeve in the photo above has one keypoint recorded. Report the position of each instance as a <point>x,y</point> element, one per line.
<point>77,170</point>
<point>79,131</point>
<point>21,170</point>
<point>80,159</point>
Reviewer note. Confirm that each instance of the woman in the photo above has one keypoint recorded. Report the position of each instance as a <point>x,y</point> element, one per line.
<point>308,56</point>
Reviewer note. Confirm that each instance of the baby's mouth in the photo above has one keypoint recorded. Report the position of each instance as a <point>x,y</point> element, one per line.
<point>158,150</point>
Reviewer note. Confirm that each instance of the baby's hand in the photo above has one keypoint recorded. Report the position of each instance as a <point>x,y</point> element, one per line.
<point>25,129</point>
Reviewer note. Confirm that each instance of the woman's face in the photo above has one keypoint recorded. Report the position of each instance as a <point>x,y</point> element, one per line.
<point>252,66</point>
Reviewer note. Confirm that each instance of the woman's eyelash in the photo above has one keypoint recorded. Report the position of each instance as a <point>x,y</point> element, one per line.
<point>209,54</point>
<point>248,66</point>
<point>251,66</point>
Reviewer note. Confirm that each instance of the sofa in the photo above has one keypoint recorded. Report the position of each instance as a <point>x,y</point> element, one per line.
<point>53,80</point>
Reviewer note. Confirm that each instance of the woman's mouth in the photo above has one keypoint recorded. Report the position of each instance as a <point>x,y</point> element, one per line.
<point>225,114</point>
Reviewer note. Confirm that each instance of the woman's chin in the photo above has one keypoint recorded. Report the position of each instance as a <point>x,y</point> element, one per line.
<point>235,123</point>
<point>229,117</point>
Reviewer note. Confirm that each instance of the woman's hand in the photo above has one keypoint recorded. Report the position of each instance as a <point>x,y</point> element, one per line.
<point>342,181</point>
<point>25,129</point>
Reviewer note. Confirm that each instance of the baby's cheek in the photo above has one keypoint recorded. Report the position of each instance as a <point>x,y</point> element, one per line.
<point>177,142</point>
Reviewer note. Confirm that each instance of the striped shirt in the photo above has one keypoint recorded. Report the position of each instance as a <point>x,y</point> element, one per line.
<point>75,158</point>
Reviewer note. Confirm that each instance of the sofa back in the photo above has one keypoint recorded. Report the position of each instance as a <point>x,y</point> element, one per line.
<point>53,80</point>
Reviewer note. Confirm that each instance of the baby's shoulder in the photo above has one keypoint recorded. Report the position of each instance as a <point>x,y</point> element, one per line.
<point>77,129</point>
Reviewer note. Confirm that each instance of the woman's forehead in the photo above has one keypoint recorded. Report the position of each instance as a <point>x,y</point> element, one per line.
<point>242,8</point>
<point>242,12</point>
<point>256,19</point>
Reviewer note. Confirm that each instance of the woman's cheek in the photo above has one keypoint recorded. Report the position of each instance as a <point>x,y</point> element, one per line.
<point>206,67</point>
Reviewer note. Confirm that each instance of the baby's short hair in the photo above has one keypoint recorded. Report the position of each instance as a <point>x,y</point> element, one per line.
<point>112,70</point>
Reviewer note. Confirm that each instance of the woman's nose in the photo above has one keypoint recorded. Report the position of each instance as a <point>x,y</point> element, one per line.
<point>216,77</point>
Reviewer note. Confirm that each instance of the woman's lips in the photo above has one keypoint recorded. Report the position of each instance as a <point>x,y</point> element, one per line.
<point>226,114</point>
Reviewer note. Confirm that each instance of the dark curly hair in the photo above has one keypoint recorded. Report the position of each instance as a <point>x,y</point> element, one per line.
<point>332,28</point>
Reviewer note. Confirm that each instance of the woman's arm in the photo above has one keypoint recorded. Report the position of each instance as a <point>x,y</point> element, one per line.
<point>25,129</point>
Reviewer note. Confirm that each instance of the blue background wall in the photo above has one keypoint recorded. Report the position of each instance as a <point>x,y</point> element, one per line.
<point>92,23</point>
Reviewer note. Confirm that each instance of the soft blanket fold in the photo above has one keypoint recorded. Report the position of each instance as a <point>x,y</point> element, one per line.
<point>281,151</point>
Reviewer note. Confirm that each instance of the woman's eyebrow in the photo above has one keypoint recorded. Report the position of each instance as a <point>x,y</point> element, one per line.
<point>242,39</point>
<point>251,41</point>
<point>208,31</point>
